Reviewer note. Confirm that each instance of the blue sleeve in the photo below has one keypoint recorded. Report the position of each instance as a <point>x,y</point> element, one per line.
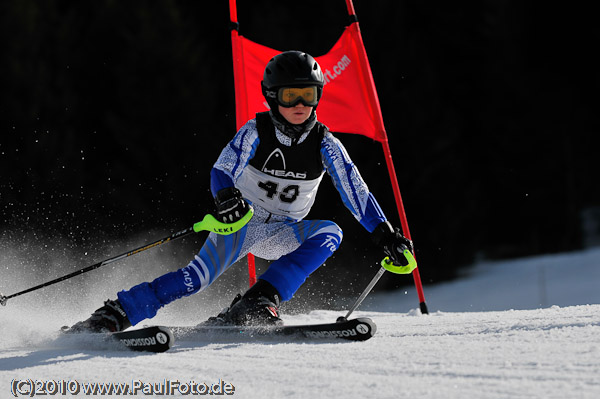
<point>349,183</point>
<point>219,180</point>
<point>234,158</point>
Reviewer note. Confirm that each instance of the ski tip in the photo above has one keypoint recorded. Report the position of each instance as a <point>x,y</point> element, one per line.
<point>147,339</point>
<point>364,327</point>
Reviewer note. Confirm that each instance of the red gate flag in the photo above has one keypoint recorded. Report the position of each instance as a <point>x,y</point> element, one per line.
<point>349,104</point>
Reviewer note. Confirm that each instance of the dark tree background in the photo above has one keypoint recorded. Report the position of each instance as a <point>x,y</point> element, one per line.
<point>113,112</point>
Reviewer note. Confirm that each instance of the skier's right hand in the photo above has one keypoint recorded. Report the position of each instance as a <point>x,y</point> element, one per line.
<point>230,205</point>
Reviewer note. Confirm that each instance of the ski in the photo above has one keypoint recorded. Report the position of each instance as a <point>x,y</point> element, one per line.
<point>146,339</point>
<point>359,329</point>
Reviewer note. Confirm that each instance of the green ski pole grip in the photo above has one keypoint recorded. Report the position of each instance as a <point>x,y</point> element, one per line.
<point>209,223</point>
<point>388,265</point>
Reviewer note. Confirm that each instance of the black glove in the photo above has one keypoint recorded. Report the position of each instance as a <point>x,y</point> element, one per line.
<point>230,205</point>
<point>393,242</point>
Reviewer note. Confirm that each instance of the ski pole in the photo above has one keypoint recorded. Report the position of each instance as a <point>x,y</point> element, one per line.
<point>386,264</point>
<point>208,223</point>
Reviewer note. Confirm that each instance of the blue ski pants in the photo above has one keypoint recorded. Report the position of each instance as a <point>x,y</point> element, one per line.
<point>297,248</point>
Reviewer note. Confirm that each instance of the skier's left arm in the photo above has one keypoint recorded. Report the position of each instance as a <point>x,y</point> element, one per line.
<point>360,201</point>
<point>349,183</point>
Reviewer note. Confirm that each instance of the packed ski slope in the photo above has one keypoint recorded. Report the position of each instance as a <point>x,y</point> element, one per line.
<point>528,328</point>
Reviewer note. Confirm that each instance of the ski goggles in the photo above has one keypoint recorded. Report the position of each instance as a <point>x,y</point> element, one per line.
<point>291,96</point>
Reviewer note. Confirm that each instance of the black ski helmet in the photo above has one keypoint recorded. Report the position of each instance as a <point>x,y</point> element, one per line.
<point>291,69</point>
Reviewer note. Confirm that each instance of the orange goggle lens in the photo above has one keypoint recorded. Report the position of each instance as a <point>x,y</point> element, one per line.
<point>291,96</point>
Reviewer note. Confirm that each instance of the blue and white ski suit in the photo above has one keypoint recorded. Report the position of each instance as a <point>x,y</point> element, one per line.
<point>281,198</point>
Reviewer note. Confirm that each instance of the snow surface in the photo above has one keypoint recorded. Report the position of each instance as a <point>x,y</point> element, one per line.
<point>528,328</point>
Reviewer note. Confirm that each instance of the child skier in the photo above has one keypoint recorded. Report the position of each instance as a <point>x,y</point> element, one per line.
<point>274,164</point>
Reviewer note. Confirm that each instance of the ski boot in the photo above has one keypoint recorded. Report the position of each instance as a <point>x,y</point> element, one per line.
<point>257,307</point>
<point>109,318</point>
